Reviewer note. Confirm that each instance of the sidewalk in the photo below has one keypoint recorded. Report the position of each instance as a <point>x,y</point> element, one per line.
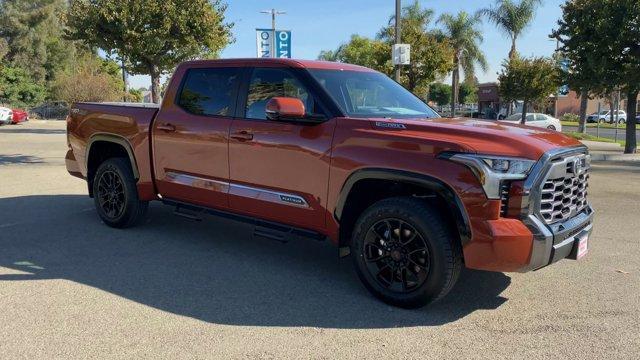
<point>601,151</point>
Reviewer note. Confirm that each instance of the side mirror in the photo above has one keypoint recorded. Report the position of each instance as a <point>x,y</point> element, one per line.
<point>285,108</point>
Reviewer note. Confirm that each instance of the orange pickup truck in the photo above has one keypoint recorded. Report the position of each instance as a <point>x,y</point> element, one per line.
<point>340,152</point>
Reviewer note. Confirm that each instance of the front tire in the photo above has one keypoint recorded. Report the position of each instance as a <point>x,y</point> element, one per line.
<point>404,252</point>
<point>115,194</point>
<point>551,127</point>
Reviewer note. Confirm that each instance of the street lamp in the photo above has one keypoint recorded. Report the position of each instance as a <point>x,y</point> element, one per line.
<point>273,13</point>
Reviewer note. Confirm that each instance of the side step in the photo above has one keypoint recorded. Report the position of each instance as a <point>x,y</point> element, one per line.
<point>271,234</point>
<point>262,228</point>
<point>188,212</point>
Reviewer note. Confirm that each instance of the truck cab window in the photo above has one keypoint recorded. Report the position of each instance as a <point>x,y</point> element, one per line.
<point>268,83</point>
<point>209,91</point>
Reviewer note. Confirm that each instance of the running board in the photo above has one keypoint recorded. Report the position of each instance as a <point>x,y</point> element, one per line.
<point>262,228</point>
<point>187,213</point>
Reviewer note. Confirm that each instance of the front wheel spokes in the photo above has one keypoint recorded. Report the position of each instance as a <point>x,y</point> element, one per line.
<point>396,255</point>
<point>373,253</point>
<point>383,232</point>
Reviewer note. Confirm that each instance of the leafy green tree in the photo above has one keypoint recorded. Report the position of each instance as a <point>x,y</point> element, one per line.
<point>153,36</point>
<point>18,89</point>
<point>31,37</point>
<point>135,95</point>
<point>601,40</point>
<point>530,80</point>
<point>361,51</point>
<point>464,36</point>
<point>330,55</point>
<point>468,93</point>
<point>431,55</point>
<point>89,79</point>
<point>512,18</point>
<point>440,93</point>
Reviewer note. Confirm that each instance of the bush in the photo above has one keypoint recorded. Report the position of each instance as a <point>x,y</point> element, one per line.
<point>570,117</point>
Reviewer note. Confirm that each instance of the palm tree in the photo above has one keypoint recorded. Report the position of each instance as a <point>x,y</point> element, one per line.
<point>465,38</point>
<point>511,17</point>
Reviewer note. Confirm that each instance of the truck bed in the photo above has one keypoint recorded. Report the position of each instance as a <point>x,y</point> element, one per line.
<point>129,123</point>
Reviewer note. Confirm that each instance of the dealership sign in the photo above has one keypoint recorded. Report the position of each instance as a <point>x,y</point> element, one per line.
<point>273,44</point>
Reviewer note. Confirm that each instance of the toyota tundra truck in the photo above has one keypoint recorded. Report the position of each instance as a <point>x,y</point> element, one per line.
<point>324,150</point>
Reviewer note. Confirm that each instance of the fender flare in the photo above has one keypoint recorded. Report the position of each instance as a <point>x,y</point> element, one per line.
<point>116,139</point>
<point>453,201</point>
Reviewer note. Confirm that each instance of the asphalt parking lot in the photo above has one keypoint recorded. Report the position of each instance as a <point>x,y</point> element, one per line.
<point>70,287</point>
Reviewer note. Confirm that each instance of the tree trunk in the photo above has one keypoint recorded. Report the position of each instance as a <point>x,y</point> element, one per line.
<point>584,98</point>
<point>513,52</point>
<point>454,88</point>
<point>632,100</point>
<point>523,120</point>
<point>155,84</point>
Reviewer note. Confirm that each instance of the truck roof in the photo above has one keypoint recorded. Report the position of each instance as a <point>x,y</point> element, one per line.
<point>296,63</point>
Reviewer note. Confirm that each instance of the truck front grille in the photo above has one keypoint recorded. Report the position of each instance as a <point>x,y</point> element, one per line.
<point>564,192</point>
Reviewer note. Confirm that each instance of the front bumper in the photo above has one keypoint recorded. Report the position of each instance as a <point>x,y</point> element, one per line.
<point>557,241</point>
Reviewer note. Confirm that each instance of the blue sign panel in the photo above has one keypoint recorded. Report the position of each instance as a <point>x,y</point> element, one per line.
<point>283,44</point>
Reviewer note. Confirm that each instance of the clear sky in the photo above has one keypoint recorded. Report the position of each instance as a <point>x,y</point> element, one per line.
<point>323,25</point>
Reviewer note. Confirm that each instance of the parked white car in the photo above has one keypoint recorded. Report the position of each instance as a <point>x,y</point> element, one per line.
<point>6,115</point>
<point>537,120</point>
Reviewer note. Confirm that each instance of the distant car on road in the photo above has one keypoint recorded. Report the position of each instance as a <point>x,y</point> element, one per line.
<point>605,117</point>
<point>537,120</point>
<point>6,116</point>
<point>19,116</point>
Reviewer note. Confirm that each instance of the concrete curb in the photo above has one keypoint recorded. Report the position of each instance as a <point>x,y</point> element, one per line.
<point>632,158</point>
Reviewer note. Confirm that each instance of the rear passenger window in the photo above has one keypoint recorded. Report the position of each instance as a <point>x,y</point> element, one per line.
<point>209,91</point>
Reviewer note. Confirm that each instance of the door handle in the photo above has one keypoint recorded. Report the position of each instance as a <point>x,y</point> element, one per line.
<point>242,136</point>
<point>167,127</point>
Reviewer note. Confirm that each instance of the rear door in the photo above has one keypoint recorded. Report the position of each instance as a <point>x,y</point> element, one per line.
<point>279,170</point>
<point>191,137</point>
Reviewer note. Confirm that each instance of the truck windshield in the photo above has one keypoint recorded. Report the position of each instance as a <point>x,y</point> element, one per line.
<point>363,94</point>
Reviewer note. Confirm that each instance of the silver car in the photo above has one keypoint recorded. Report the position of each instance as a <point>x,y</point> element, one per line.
<point>537,120</point>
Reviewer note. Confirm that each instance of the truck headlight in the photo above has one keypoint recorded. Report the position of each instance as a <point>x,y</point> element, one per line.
<point>492,170</point>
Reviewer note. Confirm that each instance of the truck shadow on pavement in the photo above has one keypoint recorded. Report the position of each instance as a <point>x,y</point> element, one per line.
<point>19,159</point>
<point>214,270</point>
<point>33,131</point>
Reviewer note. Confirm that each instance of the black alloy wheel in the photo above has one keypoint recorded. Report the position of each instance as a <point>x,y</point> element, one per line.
<point>111,195</point>
<point>396,255</point>
<point>115,194</point>
<point>405,252</point>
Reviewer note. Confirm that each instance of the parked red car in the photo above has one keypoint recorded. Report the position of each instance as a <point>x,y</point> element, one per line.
<point>19,116</point>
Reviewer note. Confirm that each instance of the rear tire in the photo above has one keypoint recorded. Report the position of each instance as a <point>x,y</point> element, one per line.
<point>115,194</point>
<point>404,252</point>
<point>551,127</point>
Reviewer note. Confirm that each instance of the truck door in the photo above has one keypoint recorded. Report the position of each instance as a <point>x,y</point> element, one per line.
<point>191,137</point>
<point>279,171</point>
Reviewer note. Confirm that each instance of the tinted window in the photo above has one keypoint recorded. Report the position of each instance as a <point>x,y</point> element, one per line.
<point>529,117</point>
<point>540,117</point>
<point>209,91</point>
<point>268,83</point>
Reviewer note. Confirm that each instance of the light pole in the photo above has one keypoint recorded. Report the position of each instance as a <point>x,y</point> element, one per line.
<point>398,32</point>
<point>273,13</point>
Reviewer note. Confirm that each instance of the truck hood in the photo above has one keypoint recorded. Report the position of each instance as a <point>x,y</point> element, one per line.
<point>481,136</point>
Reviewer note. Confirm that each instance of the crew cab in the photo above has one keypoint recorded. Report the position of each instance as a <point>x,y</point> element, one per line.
<point>340,152</point>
